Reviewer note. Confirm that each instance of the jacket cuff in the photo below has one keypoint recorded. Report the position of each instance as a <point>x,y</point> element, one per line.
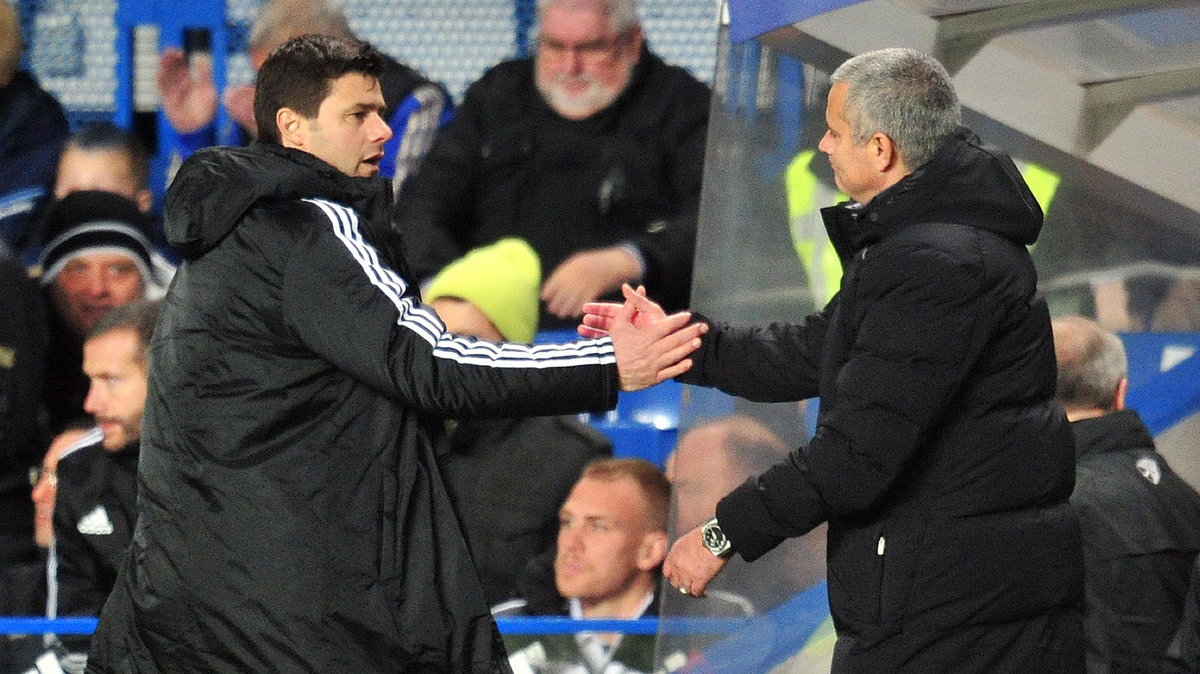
<point>737,513</point>
<point>695,376</point>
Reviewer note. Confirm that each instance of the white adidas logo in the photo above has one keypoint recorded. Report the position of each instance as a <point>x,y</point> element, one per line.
<point>95,523</point>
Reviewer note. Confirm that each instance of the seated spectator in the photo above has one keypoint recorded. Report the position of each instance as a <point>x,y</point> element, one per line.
<point>710,460</point>
<point>96,503</point>
<point>1140,521</point>
<point>507,476</point>
<point>22,437</point>
<point>591,150</point>
<point>97,257</point>
<point>23,586</point>
<point>45,480</point>
<point>612,539</point>
<point>416,107</point>
<point>102,156</point>
<point>1183,655</point>
<point>32,130</point>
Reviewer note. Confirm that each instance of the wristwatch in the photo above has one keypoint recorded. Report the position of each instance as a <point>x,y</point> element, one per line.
<point>715,540</point>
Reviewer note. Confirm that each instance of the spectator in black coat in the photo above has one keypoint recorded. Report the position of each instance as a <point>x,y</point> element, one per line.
<point>1140,521</point>
<point>1183,655</point>
<point>98,256</point>
<point>591,150</point>
<point>32,130</point>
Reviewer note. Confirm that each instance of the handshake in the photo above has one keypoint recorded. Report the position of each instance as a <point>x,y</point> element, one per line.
<point>651,346</point>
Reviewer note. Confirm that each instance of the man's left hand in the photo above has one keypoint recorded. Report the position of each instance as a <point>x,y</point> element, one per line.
<point>690,566</point>
<point>585,276</point>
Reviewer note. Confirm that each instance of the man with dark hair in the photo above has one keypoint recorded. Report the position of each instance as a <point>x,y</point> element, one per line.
<point>940,460</point>
<point>591,150</point>
<point>103,156</point>
<point>96,496</point>
<point>1140,520</point>
<point>292,516</point>
<point>416,106</point>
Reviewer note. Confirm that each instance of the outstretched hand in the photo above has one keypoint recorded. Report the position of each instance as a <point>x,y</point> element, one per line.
<point>598,316</point>
<point>650,345</point>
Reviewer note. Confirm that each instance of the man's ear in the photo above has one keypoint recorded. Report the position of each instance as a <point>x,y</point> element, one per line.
<point>1119,396</point>
<point>292,126</point>
<point>652,551</point>
<point>636,39</point>
<point>144,199</point>
<point>883,152</point>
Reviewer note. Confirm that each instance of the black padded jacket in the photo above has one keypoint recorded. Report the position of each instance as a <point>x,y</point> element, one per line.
<point>292,516</point>
<point>940,459</point>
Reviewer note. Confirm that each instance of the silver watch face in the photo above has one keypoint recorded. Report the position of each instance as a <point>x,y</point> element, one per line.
<point>714,539</point>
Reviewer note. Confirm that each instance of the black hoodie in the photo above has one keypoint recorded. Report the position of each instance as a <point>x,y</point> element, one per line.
<point>292,516</point>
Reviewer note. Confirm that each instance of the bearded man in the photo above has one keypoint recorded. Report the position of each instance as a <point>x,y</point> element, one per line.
<point>591,150</point>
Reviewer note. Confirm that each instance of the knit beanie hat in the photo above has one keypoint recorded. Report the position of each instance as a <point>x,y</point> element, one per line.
<point>502,279</point>
<point>94,221</point>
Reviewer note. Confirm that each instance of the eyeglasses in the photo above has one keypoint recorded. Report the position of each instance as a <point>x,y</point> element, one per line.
<point>589,52</point>
<point>36,473</point>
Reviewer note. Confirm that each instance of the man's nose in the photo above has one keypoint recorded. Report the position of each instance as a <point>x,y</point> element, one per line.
<point>568,538</point>
<point>826,144</point>
<point>383,132</point>
<point>94,284</point>
<point>93,401</point>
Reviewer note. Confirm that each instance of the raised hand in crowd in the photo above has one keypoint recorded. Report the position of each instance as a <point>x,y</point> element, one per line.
<point>186,88</point>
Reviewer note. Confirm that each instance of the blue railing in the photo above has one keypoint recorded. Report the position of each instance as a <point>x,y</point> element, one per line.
<point>772,637</point>
<point>529,625</point>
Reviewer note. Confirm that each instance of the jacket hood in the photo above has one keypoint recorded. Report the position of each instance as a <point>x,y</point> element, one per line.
<point>216,186</point>
<point>967,182</point>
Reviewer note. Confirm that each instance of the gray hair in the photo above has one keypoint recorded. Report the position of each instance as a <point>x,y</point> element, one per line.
<point>1091,363</point>
<point>281,20</point>
<point>622,14</point>
<point>905,95</point>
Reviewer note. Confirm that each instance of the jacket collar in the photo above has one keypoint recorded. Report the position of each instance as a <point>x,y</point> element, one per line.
<point>966,182</point>
<point>1117,431</point>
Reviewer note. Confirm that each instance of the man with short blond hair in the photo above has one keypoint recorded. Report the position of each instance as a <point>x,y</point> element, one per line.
<point>612,539</point>
<point>95,500</point>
